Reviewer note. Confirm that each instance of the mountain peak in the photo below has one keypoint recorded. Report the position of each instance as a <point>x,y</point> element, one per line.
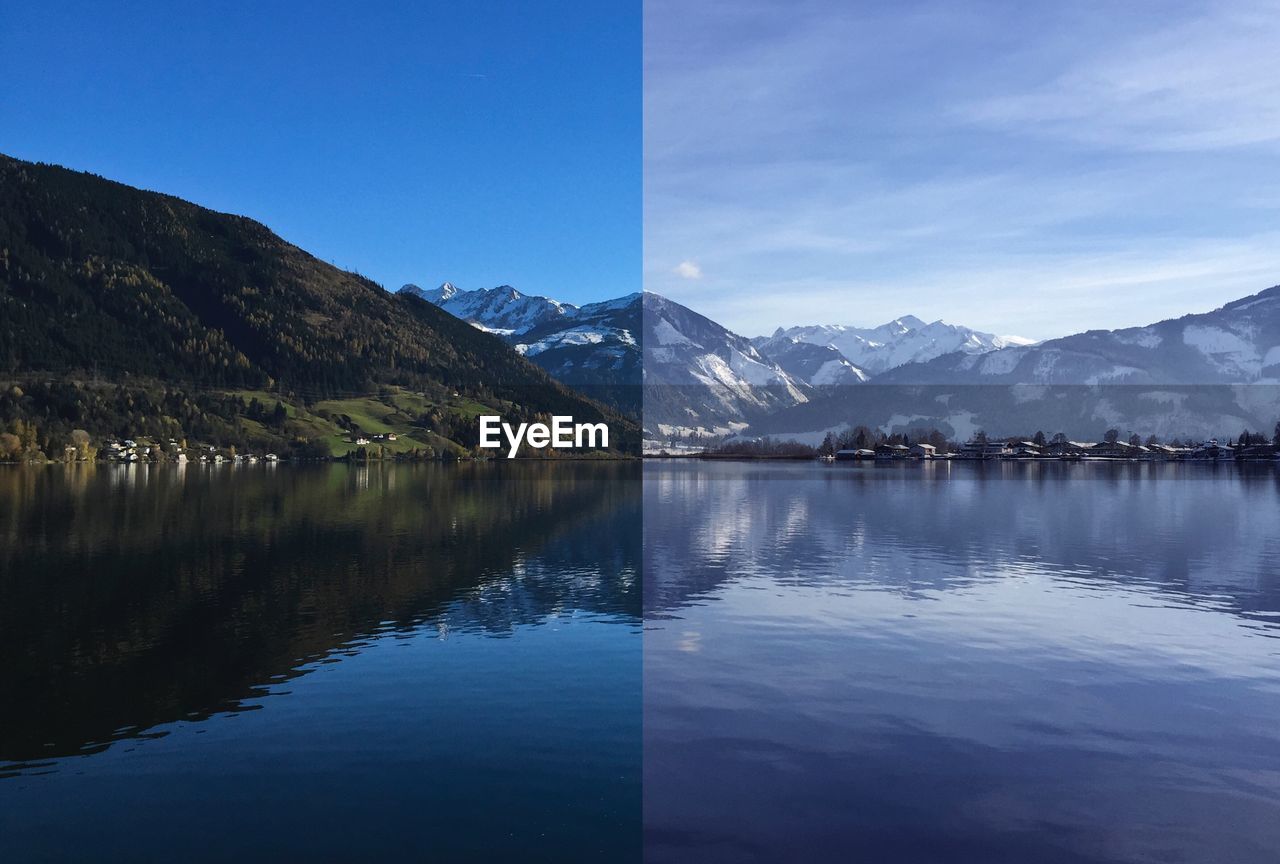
<point>437,295</point>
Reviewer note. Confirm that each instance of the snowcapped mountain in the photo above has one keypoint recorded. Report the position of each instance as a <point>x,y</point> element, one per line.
<point>502,310</point>
<point>700,376</point>
<point>900,341</point>
<point>1207,374</point>
<point>1238,343</point>
<point>593,348</point>
<point>816,365</point>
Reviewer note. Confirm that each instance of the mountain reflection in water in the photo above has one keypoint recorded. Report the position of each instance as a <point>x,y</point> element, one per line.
<point>962,662</point>
<point>140,604</point>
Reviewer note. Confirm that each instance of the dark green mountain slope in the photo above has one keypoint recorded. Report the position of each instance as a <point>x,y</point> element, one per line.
<point>101,281</point>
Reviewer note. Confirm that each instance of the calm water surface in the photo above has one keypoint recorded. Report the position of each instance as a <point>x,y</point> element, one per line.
<point>320,663</point>
<point>962,663</point>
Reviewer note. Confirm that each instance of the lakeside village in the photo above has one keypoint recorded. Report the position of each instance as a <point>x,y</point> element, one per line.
<point>19,447</point>
<point>863,444</point>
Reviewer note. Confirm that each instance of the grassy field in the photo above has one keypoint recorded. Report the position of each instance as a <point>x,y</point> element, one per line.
<point>330,421</point>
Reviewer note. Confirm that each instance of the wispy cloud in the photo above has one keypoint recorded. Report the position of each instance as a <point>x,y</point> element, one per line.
<point>1209,82</point>
<point>1034,171</point>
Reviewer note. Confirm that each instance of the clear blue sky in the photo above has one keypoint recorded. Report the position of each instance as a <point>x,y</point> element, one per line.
<point>1028,168</point>
<point>477,142</point>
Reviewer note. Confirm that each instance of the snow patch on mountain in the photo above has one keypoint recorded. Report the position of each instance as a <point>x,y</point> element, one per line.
<point>571,336</point>
<point>1114,375</point>
<point>666,334</point>
<point>831,372</point>
<point>1227,350</point>
<point>1000,362</point>
<point>1143,337</point>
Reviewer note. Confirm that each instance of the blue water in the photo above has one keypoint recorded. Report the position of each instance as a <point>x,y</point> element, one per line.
<point>321,664</point>
<point>961,663</point>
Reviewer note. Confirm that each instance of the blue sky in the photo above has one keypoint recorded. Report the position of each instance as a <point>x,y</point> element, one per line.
<point>1026,168</point>
<point>478,142</point>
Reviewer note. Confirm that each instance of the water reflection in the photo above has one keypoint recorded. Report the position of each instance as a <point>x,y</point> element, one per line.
<point>959,662</point>
<point>912,526</point>
<point>131,597</point>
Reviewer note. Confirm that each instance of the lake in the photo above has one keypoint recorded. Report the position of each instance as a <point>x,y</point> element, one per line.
<point>961,662</point>
<point>323,663</point>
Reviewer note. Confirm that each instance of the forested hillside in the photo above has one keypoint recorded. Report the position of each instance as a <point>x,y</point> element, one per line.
<point>104,285</point>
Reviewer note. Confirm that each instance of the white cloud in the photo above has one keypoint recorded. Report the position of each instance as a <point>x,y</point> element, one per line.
<point>688,270</point>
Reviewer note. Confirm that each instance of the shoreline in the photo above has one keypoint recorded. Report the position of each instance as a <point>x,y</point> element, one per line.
<point>1095,460</point>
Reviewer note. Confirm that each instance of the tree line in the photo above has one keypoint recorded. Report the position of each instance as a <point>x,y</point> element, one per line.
<point>864,437</point>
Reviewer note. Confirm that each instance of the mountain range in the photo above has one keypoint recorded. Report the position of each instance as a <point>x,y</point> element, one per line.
<point>502,310</point>
<point>700,377</point>
<point>1238,343</point>
<point>1183,376</point>
<point>593,348</point>
<point>1205,374</point>
<point>896,343</point>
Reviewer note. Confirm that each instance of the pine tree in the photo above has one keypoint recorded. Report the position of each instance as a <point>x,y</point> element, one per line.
<point>828,447</point>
